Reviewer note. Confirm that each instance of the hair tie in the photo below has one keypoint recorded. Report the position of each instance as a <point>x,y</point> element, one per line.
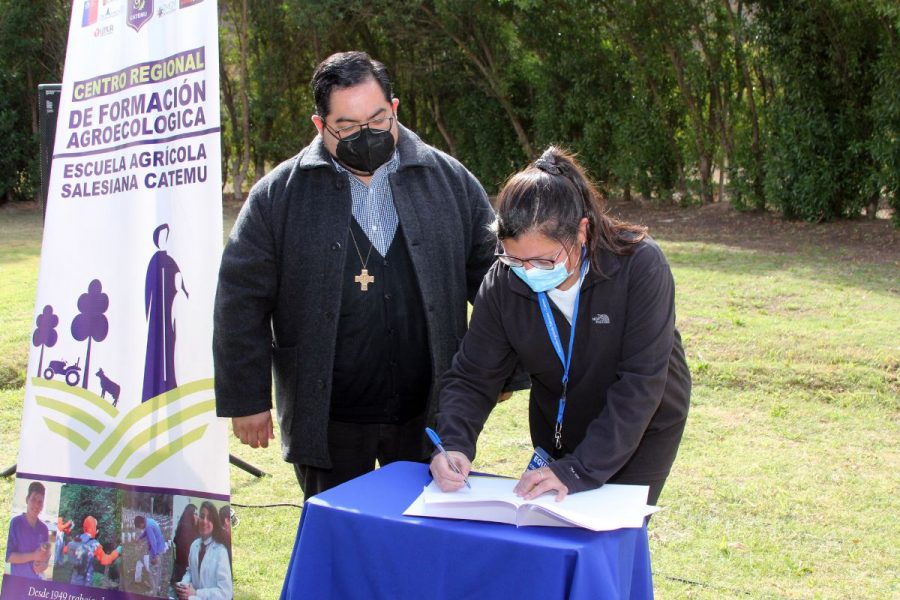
<point>548,167</point>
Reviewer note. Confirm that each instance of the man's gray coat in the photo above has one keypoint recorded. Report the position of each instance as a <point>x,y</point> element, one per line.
<point>279,293</point>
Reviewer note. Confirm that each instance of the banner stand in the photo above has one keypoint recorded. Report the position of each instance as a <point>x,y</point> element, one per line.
<point>237,462</point>
<point>122,458</point>
<point>244,465</point>
<point>48,102</point>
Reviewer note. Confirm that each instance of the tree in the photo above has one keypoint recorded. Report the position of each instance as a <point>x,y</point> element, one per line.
<point>234,16</point>
<point>278,85</point>
<point>483,35</point>
<point>820,163</point>
<point>884,145</point>
<point>755,168</point>
<point>649,124</point>
<point>104,504</point>
<point>793,103</point>
<point>32,51</point>
<point>91,323</point>
<point>591,94</point>
<point>45,333</point>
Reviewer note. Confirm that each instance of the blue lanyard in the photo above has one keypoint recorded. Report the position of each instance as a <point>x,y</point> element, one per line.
<point>550,323</point>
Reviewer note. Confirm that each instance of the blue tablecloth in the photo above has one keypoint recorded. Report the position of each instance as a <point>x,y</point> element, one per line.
<point>354,542</point>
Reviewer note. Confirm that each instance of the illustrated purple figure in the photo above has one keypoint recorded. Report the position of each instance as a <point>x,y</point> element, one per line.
<point>160,289</point>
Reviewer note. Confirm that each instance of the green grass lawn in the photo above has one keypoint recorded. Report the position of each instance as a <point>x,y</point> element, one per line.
<point>787,479</point>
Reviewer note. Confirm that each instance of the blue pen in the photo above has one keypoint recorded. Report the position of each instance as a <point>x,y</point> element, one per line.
<point>437,444</point>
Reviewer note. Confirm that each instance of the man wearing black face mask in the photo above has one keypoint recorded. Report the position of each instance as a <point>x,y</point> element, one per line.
<point>347,276</point>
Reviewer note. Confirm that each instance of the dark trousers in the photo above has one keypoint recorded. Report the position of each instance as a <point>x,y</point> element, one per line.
<point>656,488</point>
<point>354,448</point>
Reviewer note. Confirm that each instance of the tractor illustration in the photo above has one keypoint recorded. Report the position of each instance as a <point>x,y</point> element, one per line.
<point>71,373</point>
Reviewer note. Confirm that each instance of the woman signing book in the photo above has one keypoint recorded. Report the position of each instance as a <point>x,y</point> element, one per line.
<point>586,304</point>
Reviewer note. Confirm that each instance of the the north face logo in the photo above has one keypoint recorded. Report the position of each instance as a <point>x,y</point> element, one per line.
<point>601,319</point>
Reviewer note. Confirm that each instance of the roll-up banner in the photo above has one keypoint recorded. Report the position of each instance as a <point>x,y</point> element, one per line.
<point>122,486</point>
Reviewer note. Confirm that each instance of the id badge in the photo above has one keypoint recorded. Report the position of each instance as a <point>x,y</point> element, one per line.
<point>539,459</point>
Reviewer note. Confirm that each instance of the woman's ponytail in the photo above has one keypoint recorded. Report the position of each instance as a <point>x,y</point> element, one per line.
<point>551,196</point>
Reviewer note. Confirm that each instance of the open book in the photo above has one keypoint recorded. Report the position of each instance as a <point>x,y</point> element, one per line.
<point>492,499</point>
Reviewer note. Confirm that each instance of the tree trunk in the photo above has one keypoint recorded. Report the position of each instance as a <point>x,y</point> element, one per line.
<point>675,152</point>
<point>759,194</point>
<point>244,95</point>
<point>703,151</point>
<point>872,207</point>
<point>259,167</point>
<point>32,100</point>
<point>31,95</point>
<point>231,109</point>
<point>264,135</point>
<point>484,64</point>
<point>718,112</point>
<point>441,125</point>
<point>722,168</point>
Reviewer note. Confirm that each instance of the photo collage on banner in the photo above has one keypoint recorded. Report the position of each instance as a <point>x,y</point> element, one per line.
<point>122,487</point>
<point>110,539</point>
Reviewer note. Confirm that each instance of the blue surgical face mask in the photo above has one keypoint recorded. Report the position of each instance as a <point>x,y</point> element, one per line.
<point>542,280</point>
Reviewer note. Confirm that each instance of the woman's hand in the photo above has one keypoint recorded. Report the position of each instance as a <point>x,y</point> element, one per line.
<point>446,478</point>
<point>539,481</point>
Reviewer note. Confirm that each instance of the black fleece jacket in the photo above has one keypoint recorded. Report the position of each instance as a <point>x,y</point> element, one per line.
<point>629,385</point>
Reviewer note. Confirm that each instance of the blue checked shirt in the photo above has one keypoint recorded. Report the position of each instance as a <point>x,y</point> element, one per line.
<point>373,205</point>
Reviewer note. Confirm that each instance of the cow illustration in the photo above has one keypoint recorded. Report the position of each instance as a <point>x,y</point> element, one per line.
<point>108,385</point>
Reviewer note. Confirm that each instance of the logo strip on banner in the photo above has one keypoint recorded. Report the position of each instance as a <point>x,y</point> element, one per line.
<point>121,453</point>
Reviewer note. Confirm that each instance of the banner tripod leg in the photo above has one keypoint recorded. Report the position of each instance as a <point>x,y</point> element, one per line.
<point>256,472</point>
<point>241,464</point>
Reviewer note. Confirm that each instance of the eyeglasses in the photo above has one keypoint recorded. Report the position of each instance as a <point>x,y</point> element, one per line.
<point>351,132</point>
<point>538,263</point>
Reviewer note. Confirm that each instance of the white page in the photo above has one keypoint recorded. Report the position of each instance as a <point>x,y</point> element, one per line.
<point>606,508</point>
<point>483,488</point>
<point>493,512</point>
<point>609,506</point>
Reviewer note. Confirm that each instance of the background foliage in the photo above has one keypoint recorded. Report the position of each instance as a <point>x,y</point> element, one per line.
<point>79,501</point>
<point>788,105</point>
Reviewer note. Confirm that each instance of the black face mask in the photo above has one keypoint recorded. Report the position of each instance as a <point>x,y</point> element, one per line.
<point>367,151</point>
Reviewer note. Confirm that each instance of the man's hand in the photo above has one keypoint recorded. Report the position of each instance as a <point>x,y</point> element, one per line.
<point>42,558</point>
<point>504,396</point>
<point>254,430</point>
<point>43,552</point>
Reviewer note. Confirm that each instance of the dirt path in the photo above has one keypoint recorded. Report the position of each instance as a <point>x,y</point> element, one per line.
<point>860,240</point>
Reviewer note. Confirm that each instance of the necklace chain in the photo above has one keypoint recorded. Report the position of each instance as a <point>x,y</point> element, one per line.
<point>358,253</point>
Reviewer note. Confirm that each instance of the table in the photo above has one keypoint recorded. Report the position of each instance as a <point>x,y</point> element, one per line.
<point>354,542</point>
